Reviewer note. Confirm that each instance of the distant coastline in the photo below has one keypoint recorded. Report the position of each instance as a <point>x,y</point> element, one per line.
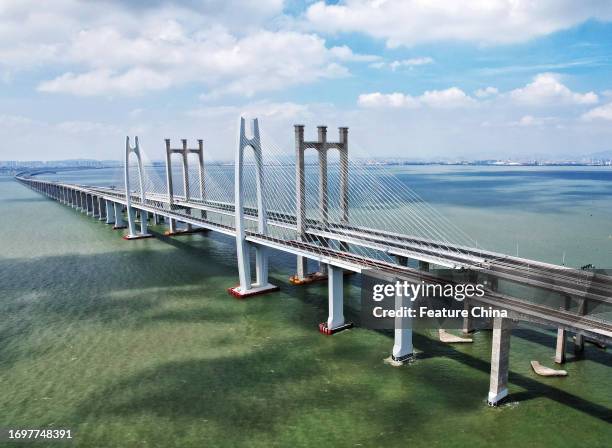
<point>12,167</point>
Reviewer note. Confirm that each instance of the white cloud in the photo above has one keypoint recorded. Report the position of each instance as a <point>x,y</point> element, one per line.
<point>380,100</point>
<point>486,92</point>
<point>599,113</point>
<point>546,89</point>
<point>447,99</point>
<point>450,98</point>
<point>87,127</point>
<point>412,62</point>
<point>412,22</point>
<point>102,82</point>
<point>344,53</point>
<point>530,121</point>
<point>15,121</point>
<point>114,49</point>
<point>171,56</point>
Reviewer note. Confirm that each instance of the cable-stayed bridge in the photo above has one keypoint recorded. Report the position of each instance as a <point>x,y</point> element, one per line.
<point>345,218</point>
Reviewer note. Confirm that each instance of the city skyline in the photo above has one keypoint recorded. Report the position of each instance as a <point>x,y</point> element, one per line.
<point>488,81</point>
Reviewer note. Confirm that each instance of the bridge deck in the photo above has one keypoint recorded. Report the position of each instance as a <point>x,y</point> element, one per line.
<point>559,279</point>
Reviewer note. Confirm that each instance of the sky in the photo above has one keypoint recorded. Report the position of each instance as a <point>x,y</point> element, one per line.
<point>418,79</point>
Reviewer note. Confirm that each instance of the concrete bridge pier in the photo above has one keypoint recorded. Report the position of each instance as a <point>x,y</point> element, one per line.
<point>562,336</point>
<point>95,207</point>
<point>403,349</point>
<point>261,265</point>
<point>579,339</point>
<point>189,227</point>
<point>119,221</point>
<point>560,346</point>
<point>171,226</point>
<point>500,360</point>
<point>133,233</point>
<point>102,209</point>
<point>335,321</point>
<point>110,212</point>
<point>89,200</point>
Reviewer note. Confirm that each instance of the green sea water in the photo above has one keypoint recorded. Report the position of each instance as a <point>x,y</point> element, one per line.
<point>138,344</point>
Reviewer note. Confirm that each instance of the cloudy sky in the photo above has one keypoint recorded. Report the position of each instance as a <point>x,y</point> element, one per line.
<point>412,78</point>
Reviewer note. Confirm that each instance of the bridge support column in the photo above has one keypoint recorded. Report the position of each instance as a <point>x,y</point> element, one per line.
<point>402,342</point>
<point>562,336</point>
<point>560,347</point>
<point>95,207</point>
<point>261,265</point>
<point>101,208</point>
<point>335,321</point>
<point>110,212</point>
<point>189,226</point>
<point>500,360</point>
<point>119,221</point>
<point>171,226</point>
<point>144,222</point>
<point>131,222</point>
<point>579,339</point>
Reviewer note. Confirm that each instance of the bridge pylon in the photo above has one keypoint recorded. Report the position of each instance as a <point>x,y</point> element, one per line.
<point>184,152</point>
<point>247,287</point>
<point>131,212</point>
<point>322,146</point>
